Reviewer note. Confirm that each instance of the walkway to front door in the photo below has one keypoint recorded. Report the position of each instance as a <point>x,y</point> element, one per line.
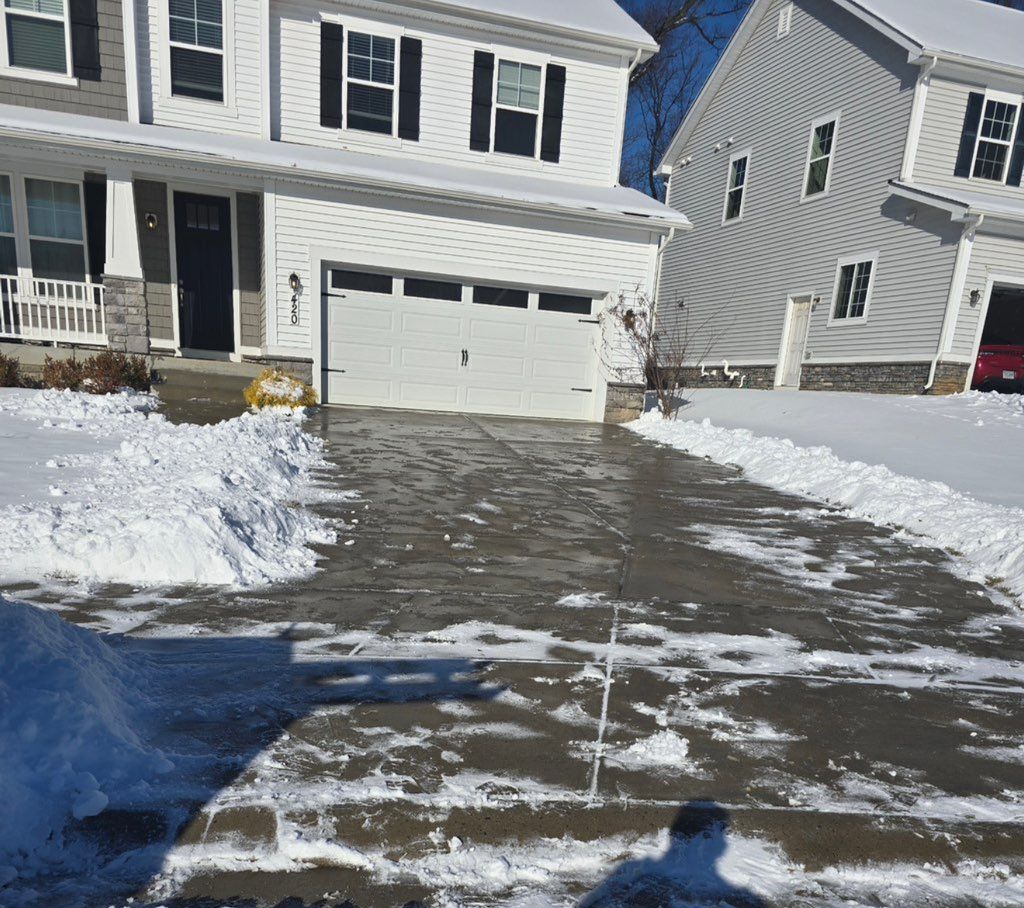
<point>202,234</point>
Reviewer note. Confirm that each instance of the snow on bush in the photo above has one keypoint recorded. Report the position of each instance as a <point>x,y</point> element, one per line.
<point>989,537</point>
<point>68,740</point>
<point>275,388</point>
<point>164,503</point>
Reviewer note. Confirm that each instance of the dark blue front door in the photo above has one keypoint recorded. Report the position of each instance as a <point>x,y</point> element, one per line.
<point>202,233</point>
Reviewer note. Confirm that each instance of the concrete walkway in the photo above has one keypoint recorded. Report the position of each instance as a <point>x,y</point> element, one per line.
<point>562,634</point>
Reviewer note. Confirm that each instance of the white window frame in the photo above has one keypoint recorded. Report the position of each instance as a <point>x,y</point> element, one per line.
<point>1016,101</point>
<point>375,31</point>
<point>834,117</point>
<point>13,183</point>
<point>84,242</point>
<point>199,106</point>
<point>523,59</point>
<point>845,262</point>
<point>38,75</point>
<point>730,189</point>
<point>785,20</point>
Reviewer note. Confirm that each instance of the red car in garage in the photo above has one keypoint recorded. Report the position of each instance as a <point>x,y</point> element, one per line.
<point>1000,367</point>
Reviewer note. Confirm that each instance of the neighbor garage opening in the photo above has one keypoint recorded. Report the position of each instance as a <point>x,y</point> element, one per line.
<point>1000,365</point>
<point>438,342</point>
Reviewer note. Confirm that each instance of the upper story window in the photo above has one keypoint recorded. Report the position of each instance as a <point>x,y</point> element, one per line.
<point>371,83</point>
<point>56,229</point>
<point>197,48</point>
<point>8,249</point>
<point>36,35</point>
<point>819,156</point>
<point>736,188</point>
<point>992,140</point>
<point>854,284</point>
<point>517,108</point>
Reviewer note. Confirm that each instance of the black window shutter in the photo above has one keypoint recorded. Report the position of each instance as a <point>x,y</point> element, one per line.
<point>332,46</point>
<point>483,90</point>
<point>1017,160</point>
<point>85,40</point>
<point>969,138</point>
<point>554,106</point>
<point>409,89</point>
<point>95,192</point>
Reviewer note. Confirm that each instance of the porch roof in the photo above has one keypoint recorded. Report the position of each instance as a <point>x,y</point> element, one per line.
<point>337,167</point>
<point>961,204</point>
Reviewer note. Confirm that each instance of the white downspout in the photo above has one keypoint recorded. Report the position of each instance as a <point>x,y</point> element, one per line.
<point>956,290</point>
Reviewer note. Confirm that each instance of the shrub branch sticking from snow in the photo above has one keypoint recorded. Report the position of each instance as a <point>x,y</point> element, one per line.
<point>165,503</point>
<point>989,537</point>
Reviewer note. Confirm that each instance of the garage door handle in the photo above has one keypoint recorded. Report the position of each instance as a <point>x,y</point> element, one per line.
<point>465,357</point>
<point>584,390</point>
<point>590,321</point>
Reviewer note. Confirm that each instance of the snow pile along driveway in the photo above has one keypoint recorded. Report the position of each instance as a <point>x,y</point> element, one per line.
<point>105,490</point>
<point>877,457</point>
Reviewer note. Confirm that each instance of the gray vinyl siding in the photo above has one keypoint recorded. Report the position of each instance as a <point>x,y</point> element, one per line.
<point>155,248</point>
<point>250,269</point>
<point>939,145</point>
<point>993,254</point>
<point>737,278</point>
<point>104,98</point>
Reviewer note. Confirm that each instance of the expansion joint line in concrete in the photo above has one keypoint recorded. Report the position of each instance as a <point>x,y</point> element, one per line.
<point>609,668</point>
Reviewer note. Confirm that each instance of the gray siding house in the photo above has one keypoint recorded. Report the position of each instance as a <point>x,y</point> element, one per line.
<point>853,172</point>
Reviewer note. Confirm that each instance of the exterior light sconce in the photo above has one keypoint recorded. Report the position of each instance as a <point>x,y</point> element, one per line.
<point>912,216</point>
<point>294,282</point>
<point>975,297</point>
<point>152,221</point>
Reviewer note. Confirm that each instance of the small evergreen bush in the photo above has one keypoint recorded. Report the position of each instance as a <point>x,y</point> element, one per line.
<point>10,372</point>
<point>275,388</point>
<point>62,374</point>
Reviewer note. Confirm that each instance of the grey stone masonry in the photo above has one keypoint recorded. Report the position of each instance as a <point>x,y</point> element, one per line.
<point>884,378</point>
<point>126,314</point>
<point>624,403</point>
<point>758,377</point>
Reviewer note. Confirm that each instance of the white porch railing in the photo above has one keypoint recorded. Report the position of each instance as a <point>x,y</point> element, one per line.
<point>56,311</point>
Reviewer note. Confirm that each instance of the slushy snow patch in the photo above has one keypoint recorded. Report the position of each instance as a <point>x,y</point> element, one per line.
<point>972,440</point>
<point>68,740</point>
<point>664,751</point>
<point>133,498</point>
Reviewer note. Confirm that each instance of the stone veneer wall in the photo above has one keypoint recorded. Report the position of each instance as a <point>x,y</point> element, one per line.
<point>127,316</point>
<point>625,403</point>
<point>757,377</point>
<point>883,378</point>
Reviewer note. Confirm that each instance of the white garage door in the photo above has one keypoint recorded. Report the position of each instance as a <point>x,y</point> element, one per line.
<point>439,344</point>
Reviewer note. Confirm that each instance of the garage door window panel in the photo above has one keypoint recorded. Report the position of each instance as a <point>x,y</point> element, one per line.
<point>363,282</point>
<point>505,297</point>
<point>559,302</point>
<point>422,288</point>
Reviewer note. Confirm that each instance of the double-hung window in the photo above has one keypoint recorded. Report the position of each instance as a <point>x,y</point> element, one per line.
<point>371,83</point>
<point>8,249</point>
<point>56,229</point>
<point>854,283</point>
<point>995,139</point>
<point>36,35</point>
<point>197,48</point>
<point>517,110</point>
<point>819,156</point>
<point>736,189</point>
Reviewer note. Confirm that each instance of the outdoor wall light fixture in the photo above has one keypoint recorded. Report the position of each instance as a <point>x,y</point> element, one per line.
<point>294,282</point>
<point>975,297</point>
<point>152,221</point>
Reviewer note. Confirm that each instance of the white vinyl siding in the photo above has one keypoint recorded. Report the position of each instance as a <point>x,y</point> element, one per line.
<point>941,130</point>
<point>594,95</point>
<point>738,280</point>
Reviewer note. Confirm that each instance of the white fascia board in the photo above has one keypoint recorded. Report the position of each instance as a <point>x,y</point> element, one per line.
<point>960,207</point>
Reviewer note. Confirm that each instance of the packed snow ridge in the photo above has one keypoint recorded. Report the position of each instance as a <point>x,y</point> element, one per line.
<point>105,489</point>
<point>943,469</point>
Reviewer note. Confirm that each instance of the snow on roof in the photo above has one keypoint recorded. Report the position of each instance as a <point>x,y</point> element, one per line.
<point>598,18</point>
<point>975,29</point>
<point>327,165</point>
<point>971,203</point>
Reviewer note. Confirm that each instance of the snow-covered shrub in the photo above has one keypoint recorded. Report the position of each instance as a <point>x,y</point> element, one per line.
<point>10,372</point>
<point>275,388</point>
<point>104,373</point>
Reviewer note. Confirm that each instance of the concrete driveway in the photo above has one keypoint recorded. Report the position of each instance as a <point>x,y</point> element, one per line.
<point>559,643</point>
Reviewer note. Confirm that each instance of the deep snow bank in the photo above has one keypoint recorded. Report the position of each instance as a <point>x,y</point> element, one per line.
<point>152,502</point>
<point>68,742</point>
<point>988,537</point>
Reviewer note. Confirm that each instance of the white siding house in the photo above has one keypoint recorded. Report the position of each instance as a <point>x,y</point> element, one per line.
<point>412,204</point>
<point>838,242</point>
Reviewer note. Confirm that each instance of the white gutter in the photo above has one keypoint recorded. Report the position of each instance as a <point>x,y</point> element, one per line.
<point>917,112</point>
<point>956,291</point>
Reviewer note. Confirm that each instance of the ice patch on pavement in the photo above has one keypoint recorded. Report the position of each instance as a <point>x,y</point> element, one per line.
<point>662,752</point>
<point>158,503</point>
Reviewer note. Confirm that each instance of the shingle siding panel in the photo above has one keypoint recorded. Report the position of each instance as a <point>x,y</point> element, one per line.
<point>155,249</point>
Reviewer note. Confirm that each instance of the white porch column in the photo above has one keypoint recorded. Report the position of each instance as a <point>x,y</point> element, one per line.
<point>123,258</point>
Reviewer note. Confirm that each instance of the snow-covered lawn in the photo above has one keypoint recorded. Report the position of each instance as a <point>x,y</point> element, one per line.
<point>947,469</point>
<point>106,489</point>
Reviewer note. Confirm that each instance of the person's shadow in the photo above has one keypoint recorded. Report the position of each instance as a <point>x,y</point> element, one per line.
<point>686,874</point>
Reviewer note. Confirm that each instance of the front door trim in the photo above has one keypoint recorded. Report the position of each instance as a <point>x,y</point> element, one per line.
<point>782,363</point>
<point>236,300</point>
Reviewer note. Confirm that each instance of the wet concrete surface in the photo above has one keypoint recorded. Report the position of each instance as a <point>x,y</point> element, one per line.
<point>841,692</point>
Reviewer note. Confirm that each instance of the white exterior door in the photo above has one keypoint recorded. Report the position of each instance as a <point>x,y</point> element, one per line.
<point>794,343</point>
<point>384,347</point>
